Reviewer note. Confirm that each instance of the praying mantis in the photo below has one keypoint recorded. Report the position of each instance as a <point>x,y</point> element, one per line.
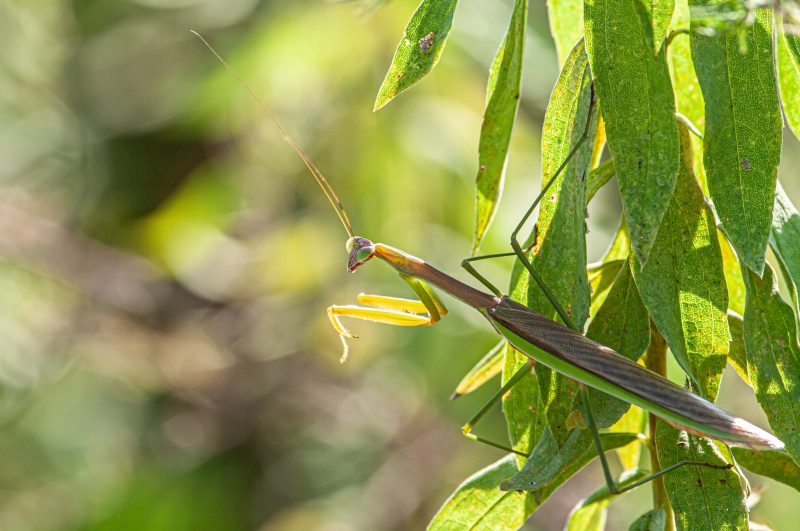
<point>562,348</point>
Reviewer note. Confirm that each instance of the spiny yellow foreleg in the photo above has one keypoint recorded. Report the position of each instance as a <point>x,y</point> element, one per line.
<point>387,310</point>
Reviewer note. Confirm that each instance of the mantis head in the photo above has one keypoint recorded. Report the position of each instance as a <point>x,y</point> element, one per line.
<point>361,250</point>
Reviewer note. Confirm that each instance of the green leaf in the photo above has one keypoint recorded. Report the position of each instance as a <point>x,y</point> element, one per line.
<point>785,240</point>
<point>418,51</point>
<point>621,324</point>
<point>789,77</point>
<point>487,368</point>
<point>601,278</point>
<point>560,253</point>
<point>566,25</point>
<point>773,357</point>
<point>598,178</point>
<point>793,43</point>
<point>659,13</point>
<point>638,108</point>
<point>548,461</point>
<point>478,503</point>
<point>733,275</point>
<point>742,143</point>
<point>522,406</point>
<point>591,517</point>
<point>701,497</point>
<point>688,97</point>
<point>548,466</point>
<point>498,121</point>
<point>683,287</point>
<point>620,247</point>
<point>590,513</point>
<point>655,520</point>
<point>774,464</point>
<point>633,421</point>
<point>736,353</point>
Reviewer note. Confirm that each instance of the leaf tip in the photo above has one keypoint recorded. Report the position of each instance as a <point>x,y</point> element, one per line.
<point>380,102</point>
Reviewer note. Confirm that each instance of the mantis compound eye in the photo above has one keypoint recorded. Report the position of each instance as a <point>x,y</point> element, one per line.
<point>351,242</point>
<point>364,254</point>
<point>361,250</point>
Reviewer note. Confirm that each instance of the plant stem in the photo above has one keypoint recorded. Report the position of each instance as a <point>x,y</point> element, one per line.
<point>656,361</point>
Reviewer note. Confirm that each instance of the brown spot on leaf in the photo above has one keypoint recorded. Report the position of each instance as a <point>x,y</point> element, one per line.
<point>426,42</point>
<point>745,164</point>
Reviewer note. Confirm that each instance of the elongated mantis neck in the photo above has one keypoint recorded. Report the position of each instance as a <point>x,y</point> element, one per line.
<point>363,250</point>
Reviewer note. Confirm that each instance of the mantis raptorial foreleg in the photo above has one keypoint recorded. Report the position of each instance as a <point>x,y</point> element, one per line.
<point>425,311</point>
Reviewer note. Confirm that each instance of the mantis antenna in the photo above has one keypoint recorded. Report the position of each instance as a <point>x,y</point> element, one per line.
<point>327,189</point>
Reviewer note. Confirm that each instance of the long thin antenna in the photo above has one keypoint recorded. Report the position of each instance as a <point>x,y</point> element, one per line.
<point>327,189</point>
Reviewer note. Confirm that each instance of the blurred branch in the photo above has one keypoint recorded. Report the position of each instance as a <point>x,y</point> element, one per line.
<point>122,280</point>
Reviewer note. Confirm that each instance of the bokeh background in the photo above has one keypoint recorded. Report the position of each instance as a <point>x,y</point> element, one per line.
<point>166,262</point>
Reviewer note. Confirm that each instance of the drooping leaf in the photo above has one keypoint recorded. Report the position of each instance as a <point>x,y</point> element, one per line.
<point>548,466</point>
<point>773,357</point>
<point>774,464</point>
<point>478,503</point>
<point>655,520</point>
<point>684,286</point>
<point>638,109</point>
<point>505,81</point>
<point>788,48</point>
<point>566,25</point>
<point>743,134</point>
<point>420,47</point>
<point>702,498</point>
<point>487,368</point>
<point>560,252</point>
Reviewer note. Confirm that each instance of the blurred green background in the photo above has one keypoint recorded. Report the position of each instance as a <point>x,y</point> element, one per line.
<point>166,262</point>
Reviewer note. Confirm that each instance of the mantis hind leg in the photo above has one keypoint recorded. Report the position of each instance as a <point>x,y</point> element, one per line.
<point>522,253</point>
